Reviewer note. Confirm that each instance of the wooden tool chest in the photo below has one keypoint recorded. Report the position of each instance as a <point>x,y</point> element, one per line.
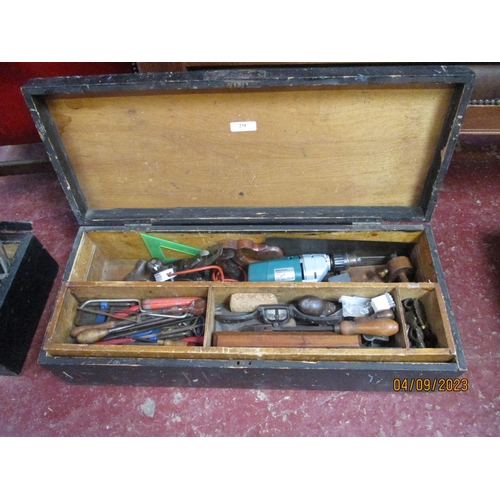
<point>27,275</point>
<point>321,160</point>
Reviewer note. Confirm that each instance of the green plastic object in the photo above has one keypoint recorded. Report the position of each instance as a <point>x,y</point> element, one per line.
<point>156,245</point>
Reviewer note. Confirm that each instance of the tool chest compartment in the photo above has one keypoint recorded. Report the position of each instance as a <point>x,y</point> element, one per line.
<point>27,274</point>
<point>310,188</point>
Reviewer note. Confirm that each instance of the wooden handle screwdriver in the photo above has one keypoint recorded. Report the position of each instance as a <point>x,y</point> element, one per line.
<point>92,335</point>
<point>102,326</point>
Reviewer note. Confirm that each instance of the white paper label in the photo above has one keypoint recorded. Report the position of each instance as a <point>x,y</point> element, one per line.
<point>284,274</point>
<point>165,275</point>
<point>243,126</point>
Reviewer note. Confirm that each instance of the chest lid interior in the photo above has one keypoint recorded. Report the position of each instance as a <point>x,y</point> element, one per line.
<point>296,146</point>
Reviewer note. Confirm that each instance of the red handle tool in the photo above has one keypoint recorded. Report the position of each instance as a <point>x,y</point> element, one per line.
<point>163,303</point>
<point>152,304</point>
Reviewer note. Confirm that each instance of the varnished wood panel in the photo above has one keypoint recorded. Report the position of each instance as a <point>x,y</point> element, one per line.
<point>324,147</point>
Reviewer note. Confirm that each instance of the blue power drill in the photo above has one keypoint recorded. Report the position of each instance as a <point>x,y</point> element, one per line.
<point>305,268</point>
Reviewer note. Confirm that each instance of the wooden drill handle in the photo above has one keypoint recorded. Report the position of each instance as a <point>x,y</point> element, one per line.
<point>378,327</point>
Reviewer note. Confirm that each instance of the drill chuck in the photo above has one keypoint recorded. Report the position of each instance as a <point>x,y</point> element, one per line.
<point>342,262</point>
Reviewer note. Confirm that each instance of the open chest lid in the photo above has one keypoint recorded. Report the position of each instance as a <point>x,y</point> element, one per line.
<point>295,146</point>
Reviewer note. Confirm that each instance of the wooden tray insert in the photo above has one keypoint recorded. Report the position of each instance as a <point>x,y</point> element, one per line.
<point>111,255</point>
<point>58,342</point>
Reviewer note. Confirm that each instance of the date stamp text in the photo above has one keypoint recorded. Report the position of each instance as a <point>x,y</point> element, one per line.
<point>430,384</point>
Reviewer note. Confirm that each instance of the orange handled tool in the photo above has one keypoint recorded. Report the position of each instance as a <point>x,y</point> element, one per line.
<point>196,307</point>
<point>152,304</point>
<point>164,303</point>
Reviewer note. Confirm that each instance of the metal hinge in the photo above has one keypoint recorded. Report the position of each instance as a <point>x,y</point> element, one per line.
<point>139,227</point>
<point>371,222</point>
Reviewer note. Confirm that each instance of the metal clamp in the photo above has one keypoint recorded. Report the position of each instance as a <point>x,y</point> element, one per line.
<point>417,329</point>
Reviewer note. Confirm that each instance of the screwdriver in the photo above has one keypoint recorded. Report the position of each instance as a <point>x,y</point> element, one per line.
<point>149,304</point>
<point>92,333</point>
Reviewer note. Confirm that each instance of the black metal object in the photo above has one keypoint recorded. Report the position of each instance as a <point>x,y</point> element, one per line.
<point>23,294</point>
<point>15,226</point>
<point>38,90</point>
<point>277,315</point>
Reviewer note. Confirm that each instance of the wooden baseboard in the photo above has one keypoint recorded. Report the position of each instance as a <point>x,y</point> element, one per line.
<point>480,119</point>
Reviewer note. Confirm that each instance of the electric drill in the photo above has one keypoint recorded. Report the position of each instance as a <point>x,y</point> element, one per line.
<point>307,267</point>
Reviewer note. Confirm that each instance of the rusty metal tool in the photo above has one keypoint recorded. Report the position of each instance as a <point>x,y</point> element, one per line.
<point>141,272</point>
<point>314,306</point>
<point>418,331</point>
<point>400,269</point>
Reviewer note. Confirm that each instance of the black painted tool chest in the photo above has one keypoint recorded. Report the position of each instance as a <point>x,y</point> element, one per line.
<point>27,276</point>
<point>347,159</point>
